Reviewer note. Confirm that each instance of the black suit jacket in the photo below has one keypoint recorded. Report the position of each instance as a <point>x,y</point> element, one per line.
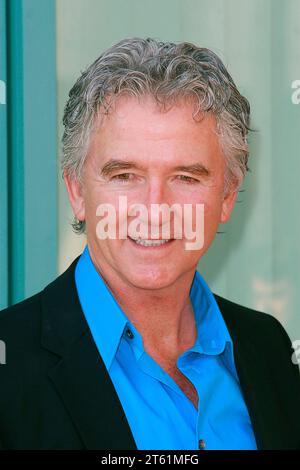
<point>55,392</point>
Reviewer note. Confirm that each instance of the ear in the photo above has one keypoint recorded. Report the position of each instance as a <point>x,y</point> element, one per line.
<point>75,194</point>
<point>228,204</point>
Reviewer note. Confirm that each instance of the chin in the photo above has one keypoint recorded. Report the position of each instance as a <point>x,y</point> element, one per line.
<point>152,279</point>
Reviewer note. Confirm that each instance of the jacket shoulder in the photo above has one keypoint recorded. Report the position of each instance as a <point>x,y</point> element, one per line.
<point>21,324</point>
<point>23,312</point>
<point>246,316</point>
<point>259,327</point>
<point>26,310</point>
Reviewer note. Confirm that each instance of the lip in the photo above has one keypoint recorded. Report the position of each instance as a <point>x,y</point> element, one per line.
<point>158,247</point>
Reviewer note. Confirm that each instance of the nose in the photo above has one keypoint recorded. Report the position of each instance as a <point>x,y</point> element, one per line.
<point>157,199</point>
<point>156,192</point>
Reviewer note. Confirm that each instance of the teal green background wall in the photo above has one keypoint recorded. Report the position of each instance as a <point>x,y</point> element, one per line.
<point>28,243</point>
<point>43,47</point>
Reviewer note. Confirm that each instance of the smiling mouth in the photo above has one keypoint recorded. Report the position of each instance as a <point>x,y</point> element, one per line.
<point>149,242</point>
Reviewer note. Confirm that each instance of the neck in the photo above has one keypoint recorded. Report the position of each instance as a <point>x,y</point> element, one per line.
<point>164,317</point>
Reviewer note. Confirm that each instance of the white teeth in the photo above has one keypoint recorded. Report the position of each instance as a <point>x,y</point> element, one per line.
<point>151,242</point>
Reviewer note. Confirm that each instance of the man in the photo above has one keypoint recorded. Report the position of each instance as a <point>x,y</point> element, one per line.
<point>129,348</point>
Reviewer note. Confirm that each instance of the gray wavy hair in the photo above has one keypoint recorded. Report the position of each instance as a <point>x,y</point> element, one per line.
<point>168,72</point>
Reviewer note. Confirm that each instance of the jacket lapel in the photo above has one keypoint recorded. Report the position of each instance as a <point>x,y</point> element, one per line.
<point>80,376</point>
<point>253,375</point>
<point>256,395</point>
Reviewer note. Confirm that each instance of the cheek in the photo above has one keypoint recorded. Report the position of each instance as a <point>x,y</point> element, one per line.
<point>212,221</point>
<point>212,206</point>
<point>94,197</point>
<point>212,214</point>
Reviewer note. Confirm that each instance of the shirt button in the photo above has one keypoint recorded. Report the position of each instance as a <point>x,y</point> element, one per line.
<point>202,444</point>
<point>129,334</point>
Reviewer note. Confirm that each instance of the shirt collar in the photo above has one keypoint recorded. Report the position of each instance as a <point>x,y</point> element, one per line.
<point>213,337</point>
<point>212,333</point>
<point>108,323</point>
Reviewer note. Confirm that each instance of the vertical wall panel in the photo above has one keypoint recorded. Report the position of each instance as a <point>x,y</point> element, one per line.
<point>3,161</point>
<point>28,241</point>
<point>15,136</point>
<point>40,162</point>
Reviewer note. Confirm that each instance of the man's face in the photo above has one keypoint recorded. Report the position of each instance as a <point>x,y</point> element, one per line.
<point>148,148</point>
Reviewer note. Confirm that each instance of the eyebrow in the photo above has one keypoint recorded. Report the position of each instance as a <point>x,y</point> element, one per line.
<point>114,165</point>
<point>197,169</point>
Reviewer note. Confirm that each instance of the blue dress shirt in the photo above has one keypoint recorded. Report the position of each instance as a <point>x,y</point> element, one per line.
<point>158,412</point>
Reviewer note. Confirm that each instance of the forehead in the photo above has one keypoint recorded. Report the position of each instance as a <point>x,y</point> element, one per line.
<point>130,113</point>
<point>137,127</point>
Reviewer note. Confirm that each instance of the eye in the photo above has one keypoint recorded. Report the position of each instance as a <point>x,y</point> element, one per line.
<point>122,177</point>
<point>187,179</point>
